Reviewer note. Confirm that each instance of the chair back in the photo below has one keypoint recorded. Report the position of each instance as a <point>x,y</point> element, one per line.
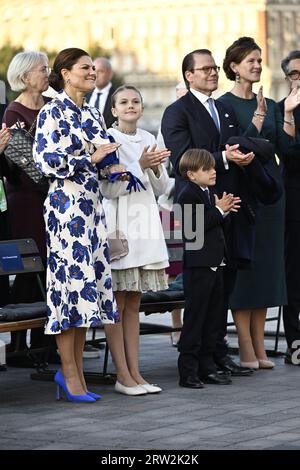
<point>30,256</point>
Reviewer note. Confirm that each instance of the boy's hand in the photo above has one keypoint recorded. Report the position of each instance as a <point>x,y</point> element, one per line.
<point>228,202</point>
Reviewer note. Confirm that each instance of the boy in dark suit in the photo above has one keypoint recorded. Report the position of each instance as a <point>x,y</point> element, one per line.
<point>202,272</point>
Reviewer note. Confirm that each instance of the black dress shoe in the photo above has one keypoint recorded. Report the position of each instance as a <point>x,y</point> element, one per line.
<point>224,372</point>
<point>227,364</point>
<point>216,379</point>
<point>54,358</point>
<point>191,382</point>
<point>26,361</point>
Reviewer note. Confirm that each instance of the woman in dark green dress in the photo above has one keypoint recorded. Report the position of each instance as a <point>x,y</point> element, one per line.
<point>263,285</point>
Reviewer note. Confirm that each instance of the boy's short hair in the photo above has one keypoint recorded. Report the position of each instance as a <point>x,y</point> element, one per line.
<point>194,159</point>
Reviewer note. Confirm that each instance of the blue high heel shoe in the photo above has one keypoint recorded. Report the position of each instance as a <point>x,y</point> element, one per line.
<point>61,385</point>
<point>94,395</point>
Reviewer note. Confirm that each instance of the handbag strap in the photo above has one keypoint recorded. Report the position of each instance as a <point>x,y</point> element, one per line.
<point>117,214</point>
<point>33,125</point>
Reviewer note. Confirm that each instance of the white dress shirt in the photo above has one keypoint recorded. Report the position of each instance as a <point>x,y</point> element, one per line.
<point>103,98</point>
<point>204,100</point>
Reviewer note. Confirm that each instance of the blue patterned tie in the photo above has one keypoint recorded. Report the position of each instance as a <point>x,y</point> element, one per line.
<point>213,112</point>
<point>97,102</point>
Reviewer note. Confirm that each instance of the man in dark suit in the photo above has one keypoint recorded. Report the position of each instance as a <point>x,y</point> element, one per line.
<point>197,121</point>
<point>100,97</point>
<point>291,160</point>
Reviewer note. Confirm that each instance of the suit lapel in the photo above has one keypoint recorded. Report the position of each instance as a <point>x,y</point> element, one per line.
<point>201,195</point>
<point>224,118</point>
<point>203,117</point>
<point>107,107</point>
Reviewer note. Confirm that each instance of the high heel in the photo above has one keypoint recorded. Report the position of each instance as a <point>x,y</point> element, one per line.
<point>266,364</point>
<point>174,342</point>
<point>94,395</point>
<point>61,385</point>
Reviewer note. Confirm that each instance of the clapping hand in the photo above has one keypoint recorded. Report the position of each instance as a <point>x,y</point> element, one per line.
<point>103,150</point>
<point>233,154</point>
<point>153,158</point>
<point>228,202</point>
<point>292,101</point>
<point>261,102</point>
<point>4,137</point>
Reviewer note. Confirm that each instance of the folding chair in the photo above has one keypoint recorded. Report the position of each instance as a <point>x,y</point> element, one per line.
<point>18,317</point>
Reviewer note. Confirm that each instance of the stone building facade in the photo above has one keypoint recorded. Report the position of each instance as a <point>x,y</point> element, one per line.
<point>148,39</point>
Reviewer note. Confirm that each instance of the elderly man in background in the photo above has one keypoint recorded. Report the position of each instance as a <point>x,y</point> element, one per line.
<point>100,96</point>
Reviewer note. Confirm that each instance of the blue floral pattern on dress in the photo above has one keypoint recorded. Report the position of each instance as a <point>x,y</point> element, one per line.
<point>79,286</point>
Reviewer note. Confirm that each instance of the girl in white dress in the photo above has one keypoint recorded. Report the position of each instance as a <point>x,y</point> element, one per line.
<point>136,214</point>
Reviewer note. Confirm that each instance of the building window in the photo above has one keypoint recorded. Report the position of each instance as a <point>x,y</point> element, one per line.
<point>287,27</point>
<point>218,23</point>
<point>297,24</point>
<point>141,27</point>
<point>171,28</point>
<point>156,27</point>
<point>126,30</point>
<point>127,63</point>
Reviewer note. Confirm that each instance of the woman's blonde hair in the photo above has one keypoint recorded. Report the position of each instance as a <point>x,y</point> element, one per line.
<point>22,63</point>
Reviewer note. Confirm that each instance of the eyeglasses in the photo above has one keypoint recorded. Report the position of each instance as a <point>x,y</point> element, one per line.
<point>207,70</point>
<point>294,74</point>
<point>44,70</point>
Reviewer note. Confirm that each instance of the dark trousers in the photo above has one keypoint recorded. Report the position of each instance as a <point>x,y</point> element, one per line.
<point>203,291</point>
<point>292,264</point>
<point>229,278</point>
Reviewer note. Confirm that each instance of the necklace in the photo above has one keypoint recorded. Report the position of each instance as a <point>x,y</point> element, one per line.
<point>115,126</point>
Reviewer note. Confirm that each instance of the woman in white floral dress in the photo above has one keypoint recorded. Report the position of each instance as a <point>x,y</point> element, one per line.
<point>70,143</point>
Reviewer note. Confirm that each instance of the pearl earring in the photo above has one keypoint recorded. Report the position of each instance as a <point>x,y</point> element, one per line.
<point>237,77</point>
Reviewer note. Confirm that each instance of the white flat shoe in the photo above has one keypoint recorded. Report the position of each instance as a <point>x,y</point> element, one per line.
<point>250,365</point>
<point>151,388</point>
<point>133,391</point>
<point>266,364</point>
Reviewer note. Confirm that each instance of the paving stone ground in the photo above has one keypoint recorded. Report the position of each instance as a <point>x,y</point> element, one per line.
<point>258,412</point>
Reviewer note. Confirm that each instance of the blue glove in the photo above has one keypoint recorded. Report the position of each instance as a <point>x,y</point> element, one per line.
<point>110,159</point>
<point>134,182</point>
